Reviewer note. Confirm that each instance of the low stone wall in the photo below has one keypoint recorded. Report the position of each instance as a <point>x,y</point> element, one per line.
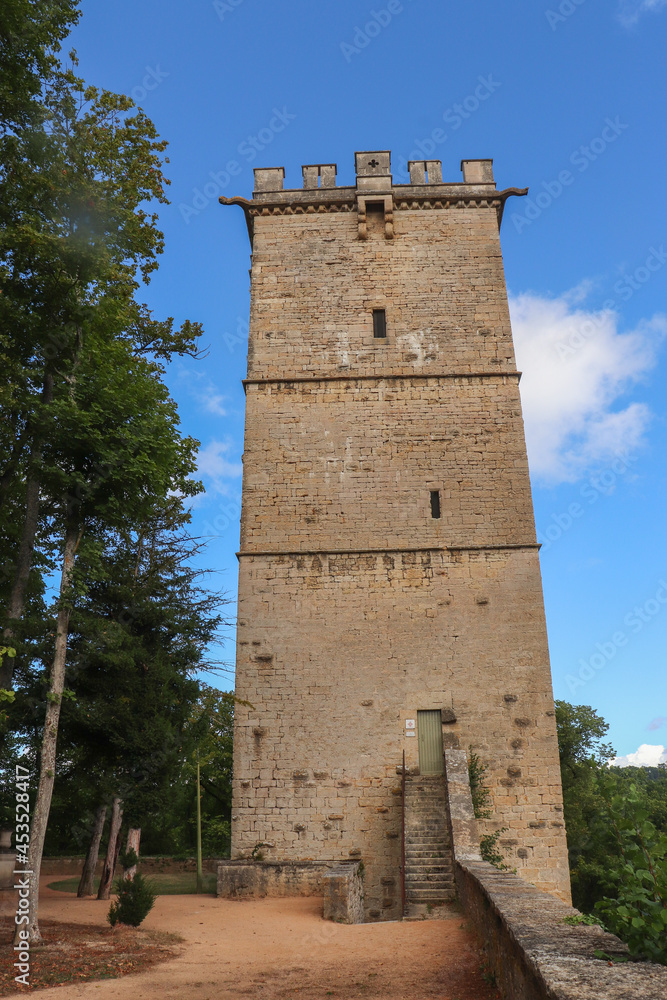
<point>256,879</point>
<point>148,865</point>
<point>533,954</point>
<point>344,893</point>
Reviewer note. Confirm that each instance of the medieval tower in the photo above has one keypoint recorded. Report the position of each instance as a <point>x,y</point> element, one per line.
<point>389,585</point>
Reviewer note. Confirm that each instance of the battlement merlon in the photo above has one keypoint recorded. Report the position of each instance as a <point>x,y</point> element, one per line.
<point>374,184</point>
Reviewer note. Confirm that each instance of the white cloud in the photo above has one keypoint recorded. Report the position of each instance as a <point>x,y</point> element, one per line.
<point>630,11</point>
<point>204,391</point>
<point>576,365</point>
<point>216,469</point>
<point>644,756</point>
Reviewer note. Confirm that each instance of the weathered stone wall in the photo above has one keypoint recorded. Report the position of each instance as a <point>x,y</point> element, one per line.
<point>148,865</point>
<point>256,879</point>
<point>441,281</point>
<point>351,463</point>
<point>336,652</point>
<point>356,607</point>
<point>535,956</point>
<point>344,894</point>
<point>532,952</point>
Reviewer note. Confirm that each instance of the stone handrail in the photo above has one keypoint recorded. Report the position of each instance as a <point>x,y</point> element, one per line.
<point>534,955</point>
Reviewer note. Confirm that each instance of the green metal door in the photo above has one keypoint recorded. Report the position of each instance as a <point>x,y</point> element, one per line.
<point>429,738</point>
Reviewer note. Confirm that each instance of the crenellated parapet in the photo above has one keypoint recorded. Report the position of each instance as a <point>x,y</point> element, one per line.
<point>374,191</point>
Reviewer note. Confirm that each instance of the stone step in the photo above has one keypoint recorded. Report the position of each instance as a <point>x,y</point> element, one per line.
<point>424,895</point>
<point>428,826</point>
<point>421,816</point>
<point>422,857</point>
<point>427,881</point>
<point>426,841</point>
<point>438,910</point>
<point>427,869</point>
<point>427,847</point>
<point>425,795</point>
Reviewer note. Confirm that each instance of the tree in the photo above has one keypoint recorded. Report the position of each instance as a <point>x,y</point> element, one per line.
<point>30,35</point>
<point>124,457</point>
<point>211,738</point>
<point>138,636</point>
<point>76,236</point>
<point>592,848</point>
<point>590,788</point>
<point>638,910</point>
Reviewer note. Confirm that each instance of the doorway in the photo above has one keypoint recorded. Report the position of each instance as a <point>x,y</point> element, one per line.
<point>429,738</point>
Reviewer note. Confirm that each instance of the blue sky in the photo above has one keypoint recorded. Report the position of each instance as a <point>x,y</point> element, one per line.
<point>574,108</point>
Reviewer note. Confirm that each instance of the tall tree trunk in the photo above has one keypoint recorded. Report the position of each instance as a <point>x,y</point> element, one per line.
<point>26,547</point>
<point>133,838</point>
<point>47,771</point>
<point>104,890</point>
<point>87,883</point>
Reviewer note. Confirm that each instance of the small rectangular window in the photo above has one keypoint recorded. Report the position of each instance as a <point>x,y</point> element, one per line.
<point>435,503</point>
<point>379,323</point>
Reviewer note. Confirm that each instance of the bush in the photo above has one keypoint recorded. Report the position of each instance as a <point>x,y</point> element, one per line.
<point>136,899</point>
<point>639,913</point>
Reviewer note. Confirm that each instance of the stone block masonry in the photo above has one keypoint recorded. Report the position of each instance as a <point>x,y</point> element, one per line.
<point>388,560</point>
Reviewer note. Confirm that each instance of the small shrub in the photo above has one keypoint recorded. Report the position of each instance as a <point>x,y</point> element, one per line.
<point>481,797</point>
<point>488,848</point>
<point>576,919</point>
<point>136,899</point>
<point>481,802</point>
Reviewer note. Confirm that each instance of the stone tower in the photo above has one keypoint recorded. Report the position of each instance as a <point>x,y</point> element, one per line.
<point>389,585</point>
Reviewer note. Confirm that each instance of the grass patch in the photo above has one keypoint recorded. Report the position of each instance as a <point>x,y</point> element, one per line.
<point>167,884</point>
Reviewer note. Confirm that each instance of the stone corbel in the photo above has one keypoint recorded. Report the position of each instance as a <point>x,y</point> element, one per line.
<point>362,218</point>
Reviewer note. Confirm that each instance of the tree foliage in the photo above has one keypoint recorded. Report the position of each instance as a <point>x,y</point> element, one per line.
<point>92,456</point>
<point>638,911</point>
<point>616,822</point>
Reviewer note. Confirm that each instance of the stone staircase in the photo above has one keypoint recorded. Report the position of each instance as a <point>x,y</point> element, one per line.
<point>429,867</point>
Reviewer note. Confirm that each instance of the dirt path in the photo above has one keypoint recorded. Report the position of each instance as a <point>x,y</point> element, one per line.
<point>279,948</point>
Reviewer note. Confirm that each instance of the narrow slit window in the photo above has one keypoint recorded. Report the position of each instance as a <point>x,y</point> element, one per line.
<point>435,503</point>
<point>379,323</point>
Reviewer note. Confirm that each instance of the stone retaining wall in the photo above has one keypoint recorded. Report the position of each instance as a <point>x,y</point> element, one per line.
<point>148,865</point>
<point>532,952</point>
<point>344,893</point>
<point>255,879</point>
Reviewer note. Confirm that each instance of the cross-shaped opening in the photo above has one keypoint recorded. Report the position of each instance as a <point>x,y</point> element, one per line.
<point>373,163</point>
